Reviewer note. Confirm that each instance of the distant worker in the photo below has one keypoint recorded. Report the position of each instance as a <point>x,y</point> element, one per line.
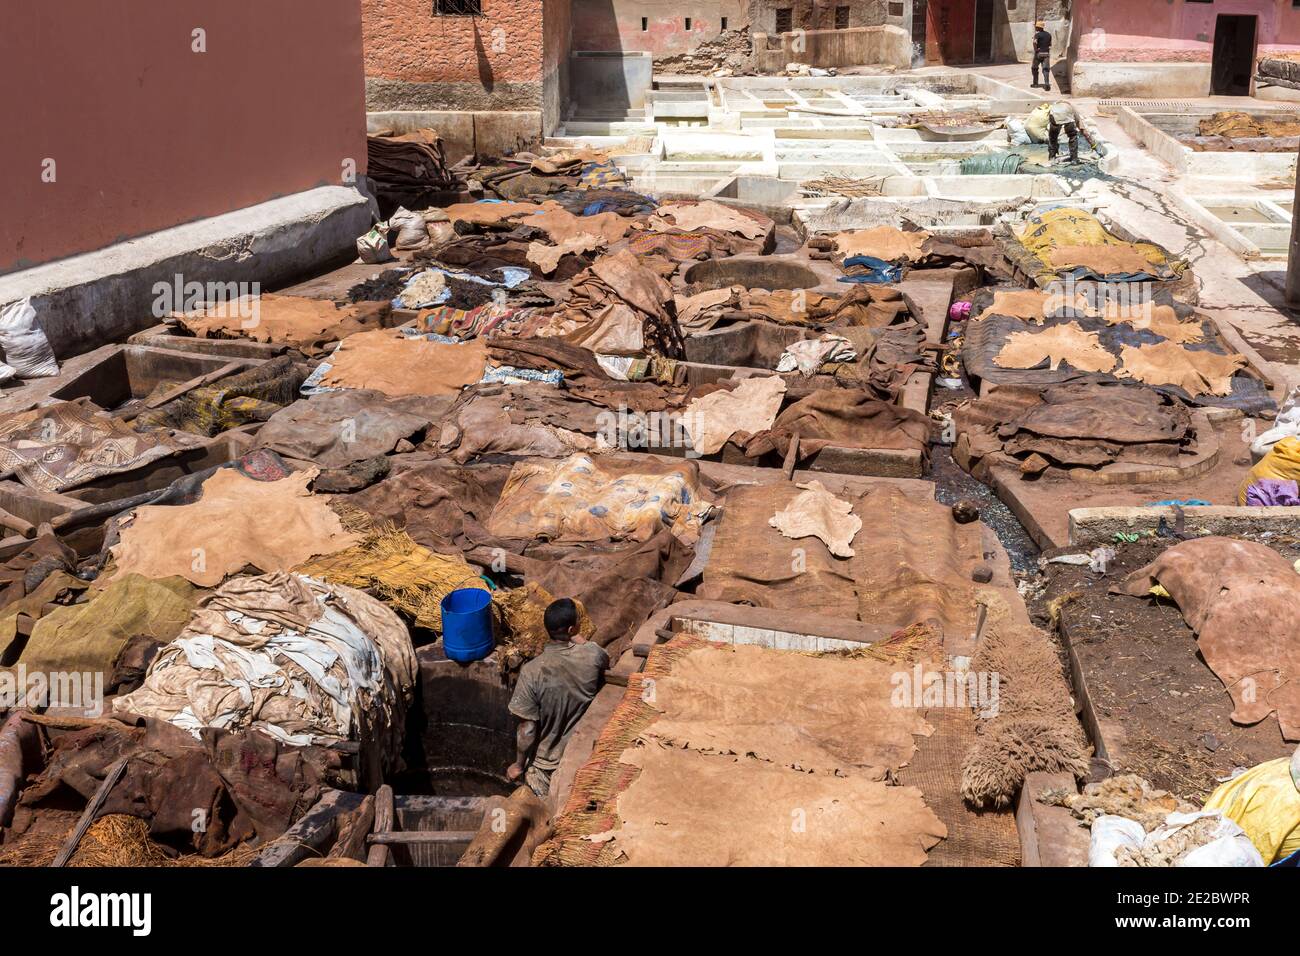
<point>553,693</point>
<point>1042,55</point>
<point>1062,116</point>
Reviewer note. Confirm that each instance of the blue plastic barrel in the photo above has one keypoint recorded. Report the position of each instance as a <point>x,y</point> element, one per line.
<point>467,625</point>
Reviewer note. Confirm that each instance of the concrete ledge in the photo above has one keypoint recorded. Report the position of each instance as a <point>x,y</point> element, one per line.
<point>100,297</point>
<point>1092,526</point>
<point>1049,836</point>
<point>1147,80</point>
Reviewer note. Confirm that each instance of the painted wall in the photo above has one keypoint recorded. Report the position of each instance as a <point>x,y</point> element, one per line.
<point>609,25</point>
<point>1173,30</point>
<point>145,133</point>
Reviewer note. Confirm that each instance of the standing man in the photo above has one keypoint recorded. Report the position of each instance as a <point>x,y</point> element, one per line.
<point>1042,55</point>
<point>1063,117</point>
<point>553,693</point>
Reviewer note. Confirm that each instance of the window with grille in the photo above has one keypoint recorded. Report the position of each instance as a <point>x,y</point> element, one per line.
<point>841,18</point>
<point>784,19</point>
<point>458,8</point>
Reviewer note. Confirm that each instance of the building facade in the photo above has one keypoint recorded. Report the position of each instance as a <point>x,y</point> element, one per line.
<point>906,33</point>
<point>1176,48</point>
<point>490,75</point>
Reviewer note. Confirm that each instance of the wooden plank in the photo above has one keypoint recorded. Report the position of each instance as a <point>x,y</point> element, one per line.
<point>354,832</point>
<point>791,457</point>
<point>15,523</point>
<point>385,815</point>
<point>230,368</point>
<point>88,815</point>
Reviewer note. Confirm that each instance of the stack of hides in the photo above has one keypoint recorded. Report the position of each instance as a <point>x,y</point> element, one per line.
<point>407,168</point>
<point>1080,425</point>
<point>304,662</point>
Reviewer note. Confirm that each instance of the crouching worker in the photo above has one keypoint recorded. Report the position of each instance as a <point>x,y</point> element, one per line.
<point>553,693</point>
<point>1063,117</point>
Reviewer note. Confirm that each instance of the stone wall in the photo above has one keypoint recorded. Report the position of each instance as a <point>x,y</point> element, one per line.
<point>856,46</point>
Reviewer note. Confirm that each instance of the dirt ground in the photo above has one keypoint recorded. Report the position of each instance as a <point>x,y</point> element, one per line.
<point>1162,711</point>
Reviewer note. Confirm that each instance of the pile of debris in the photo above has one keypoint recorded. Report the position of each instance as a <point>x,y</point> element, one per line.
<point>728,54</point>
<point>1072,426</point>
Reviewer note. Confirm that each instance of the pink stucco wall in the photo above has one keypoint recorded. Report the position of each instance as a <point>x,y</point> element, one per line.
<point>1174,30</point>
<point>144,133</point>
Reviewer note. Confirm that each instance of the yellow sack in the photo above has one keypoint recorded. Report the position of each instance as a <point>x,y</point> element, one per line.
<point>1036,122</point>
<point>1282,463</point>
<point>1265,802</point>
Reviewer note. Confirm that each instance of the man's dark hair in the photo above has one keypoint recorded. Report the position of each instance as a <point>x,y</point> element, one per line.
<point>561,617</point>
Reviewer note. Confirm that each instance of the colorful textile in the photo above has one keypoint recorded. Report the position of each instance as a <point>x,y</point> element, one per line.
<point>464,324</point>
<point>1272,493</point>
<point>577,500</point>
<point>61,446</point>
<point>601,176</point>
<point>252,396</point>
<point>677,246</point>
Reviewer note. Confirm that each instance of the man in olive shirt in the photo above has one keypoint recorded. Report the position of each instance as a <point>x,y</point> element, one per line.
<point>553,693</point>
<point>1042,55</point>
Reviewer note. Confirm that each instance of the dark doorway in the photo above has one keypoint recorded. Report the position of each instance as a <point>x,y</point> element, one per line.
<point>918,32</point>
<point>1234,55</point>
<point>984,31</point>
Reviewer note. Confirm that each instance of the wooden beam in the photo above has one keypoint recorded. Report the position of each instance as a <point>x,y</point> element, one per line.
<point>92,810</point>
<point>385,815</point>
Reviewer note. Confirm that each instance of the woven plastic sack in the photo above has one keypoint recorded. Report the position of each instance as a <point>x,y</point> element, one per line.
<point>26,350</point>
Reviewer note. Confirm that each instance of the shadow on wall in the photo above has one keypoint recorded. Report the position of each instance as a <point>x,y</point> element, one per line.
<point>485,74</point>
<point>605,79</point>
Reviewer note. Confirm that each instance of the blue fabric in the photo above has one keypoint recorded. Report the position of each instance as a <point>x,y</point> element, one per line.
<point>1189,503</point>
<point>880,270</point>
<point>1292,860</point>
